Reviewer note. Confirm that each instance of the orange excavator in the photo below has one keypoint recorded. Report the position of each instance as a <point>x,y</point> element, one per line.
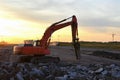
<point>40,47</point>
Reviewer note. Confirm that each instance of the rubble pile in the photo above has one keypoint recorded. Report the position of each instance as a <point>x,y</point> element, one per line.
<point>52,71</point>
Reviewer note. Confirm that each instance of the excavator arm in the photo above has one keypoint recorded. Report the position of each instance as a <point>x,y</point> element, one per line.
<point>44,42</point>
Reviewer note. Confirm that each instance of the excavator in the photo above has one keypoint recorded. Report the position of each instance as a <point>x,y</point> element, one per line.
<point>39,49</point>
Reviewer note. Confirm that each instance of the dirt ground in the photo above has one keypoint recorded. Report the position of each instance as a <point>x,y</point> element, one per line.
<point>66,54</point>
<point>89,67</point>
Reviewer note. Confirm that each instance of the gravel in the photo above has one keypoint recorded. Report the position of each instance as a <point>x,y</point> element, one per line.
<point>61,71</point>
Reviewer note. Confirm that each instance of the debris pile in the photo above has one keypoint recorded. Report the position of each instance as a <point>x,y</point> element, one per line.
<point>52,71</point>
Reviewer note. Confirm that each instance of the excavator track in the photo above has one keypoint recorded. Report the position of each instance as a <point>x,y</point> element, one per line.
<point>34,59</point>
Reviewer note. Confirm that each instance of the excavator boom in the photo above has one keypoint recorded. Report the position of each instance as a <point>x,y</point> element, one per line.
<point>58,25</point>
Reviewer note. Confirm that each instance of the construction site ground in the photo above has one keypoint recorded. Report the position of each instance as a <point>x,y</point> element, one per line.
<point>67,55</point>
<point>89,67</point>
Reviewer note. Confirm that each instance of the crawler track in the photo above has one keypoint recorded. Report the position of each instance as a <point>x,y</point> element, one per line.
<point>34,59</point>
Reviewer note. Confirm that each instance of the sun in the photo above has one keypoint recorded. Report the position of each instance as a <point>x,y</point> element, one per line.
<point>7,27</point>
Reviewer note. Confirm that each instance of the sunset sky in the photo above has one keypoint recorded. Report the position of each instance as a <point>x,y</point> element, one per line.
<point>28,19</point>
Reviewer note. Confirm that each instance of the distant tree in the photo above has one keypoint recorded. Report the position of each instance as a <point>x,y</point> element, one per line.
<point>3,43</point>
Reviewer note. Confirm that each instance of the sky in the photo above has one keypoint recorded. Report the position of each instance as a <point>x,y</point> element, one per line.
<point>28,19</point>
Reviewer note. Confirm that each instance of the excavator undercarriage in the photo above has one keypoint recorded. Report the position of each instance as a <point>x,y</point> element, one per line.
<point>34,59</point>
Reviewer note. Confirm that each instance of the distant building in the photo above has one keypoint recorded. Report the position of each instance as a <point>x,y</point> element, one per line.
<point>54,43</point>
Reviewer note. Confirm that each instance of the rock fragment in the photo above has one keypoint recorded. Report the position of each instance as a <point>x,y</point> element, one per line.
<point>52,71</point>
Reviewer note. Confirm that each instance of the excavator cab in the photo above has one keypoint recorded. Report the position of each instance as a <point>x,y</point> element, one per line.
<point>31,43</point>
<point>28,43</point>
<point>36,43</point>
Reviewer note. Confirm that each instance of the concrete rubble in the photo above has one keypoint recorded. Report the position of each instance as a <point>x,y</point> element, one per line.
<point>52,71</point>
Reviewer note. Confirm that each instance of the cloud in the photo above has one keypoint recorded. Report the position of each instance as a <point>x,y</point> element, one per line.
<point>94,16</point>
<point>97,22</point>
<point>89,12</point>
